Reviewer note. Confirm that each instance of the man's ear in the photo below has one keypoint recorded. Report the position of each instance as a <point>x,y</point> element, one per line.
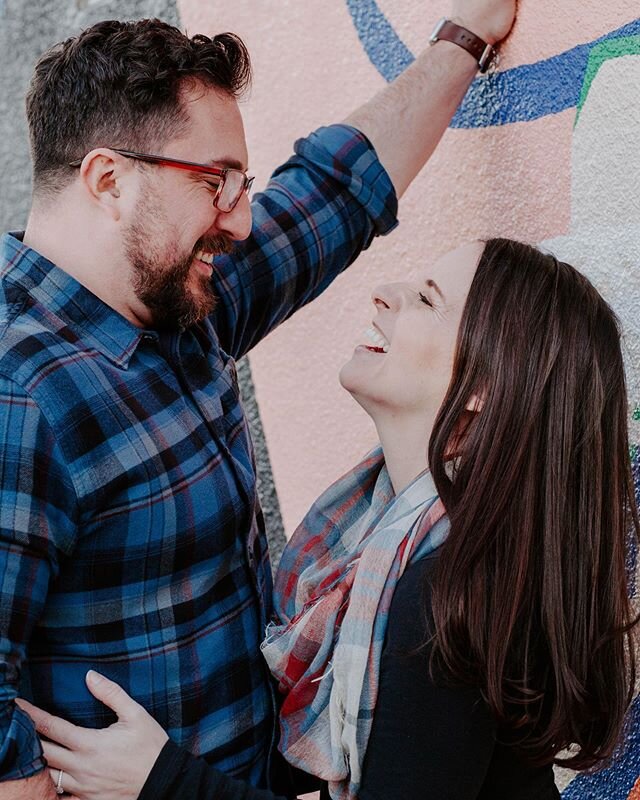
<point>475,404</point>
<point>102,172</point>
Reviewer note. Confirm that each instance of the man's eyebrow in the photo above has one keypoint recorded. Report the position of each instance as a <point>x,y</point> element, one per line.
<point>230,163</point>
<point>431,284</point>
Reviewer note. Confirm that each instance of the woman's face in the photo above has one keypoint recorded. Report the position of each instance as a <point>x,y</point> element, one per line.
<point>404,364</point>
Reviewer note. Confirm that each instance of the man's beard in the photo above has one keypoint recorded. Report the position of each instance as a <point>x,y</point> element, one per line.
<point>164,285</point>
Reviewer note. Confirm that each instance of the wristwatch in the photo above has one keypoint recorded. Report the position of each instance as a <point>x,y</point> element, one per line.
<point>451,32</point>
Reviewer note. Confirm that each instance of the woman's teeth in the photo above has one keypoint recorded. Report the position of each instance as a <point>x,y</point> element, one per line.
<point>380,342</point>
<point>206,257</point>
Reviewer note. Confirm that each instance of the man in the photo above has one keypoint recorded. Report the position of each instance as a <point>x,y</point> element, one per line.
<point>131,540</point>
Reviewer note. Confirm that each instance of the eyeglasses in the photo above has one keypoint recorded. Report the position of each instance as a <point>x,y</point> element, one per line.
<point>232,183</point>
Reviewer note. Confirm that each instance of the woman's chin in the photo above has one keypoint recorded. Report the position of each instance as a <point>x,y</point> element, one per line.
<point>351,378</point>
<point>355,383</point>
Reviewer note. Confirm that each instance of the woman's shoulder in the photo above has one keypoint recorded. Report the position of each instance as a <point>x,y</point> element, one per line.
<point>410,617</point>
<point>420,571</point>
<point>418,574</point>
<point>457,712</point>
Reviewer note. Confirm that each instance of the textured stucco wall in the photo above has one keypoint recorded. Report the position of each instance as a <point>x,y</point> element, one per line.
<point>515,163</point>
<point>508,167</point>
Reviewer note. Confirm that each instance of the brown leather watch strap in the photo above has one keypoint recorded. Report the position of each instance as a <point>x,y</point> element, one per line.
<point>451,32</point>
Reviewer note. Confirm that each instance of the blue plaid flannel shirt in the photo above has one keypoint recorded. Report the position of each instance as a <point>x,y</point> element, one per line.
<point>131,538</point>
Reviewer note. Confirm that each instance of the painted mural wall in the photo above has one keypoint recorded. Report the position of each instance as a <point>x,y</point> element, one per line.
<point>546,150</point>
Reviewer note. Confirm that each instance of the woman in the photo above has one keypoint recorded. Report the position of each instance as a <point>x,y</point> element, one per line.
<point>446,632</point>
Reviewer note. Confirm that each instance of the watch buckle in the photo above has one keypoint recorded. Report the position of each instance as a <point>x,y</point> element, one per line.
<point>487,57</point>
<point>436,31</point>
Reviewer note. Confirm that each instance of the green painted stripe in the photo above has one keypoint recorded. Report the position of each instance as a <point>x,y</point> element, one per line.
<point>611,48</point>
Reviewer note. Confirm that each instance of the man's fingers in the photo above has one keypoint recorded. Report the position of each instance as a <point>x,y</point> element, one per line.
<point>54,728</point>
<point>112,695</point>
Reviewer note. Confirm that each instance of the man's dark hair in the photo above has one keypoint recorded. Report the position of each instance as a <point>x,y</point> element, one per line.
<point>119,84</point>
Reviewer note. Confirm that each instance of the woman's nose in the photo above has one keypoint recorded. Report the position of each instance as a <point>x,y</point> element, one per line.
<point>388,295</point>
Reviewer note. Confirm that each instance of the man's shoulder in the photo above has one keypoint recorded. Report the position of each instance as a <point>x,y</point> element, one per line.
<point>32,340</point>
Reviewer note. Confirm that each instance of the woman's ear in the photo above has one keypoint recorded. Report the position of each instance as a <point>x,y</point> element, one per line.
<point>475,404</point>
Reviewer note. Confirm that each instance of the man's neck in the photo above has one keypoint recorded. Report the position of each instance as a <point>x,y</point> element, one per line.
<point>68,244</point>
<point>62,243</point>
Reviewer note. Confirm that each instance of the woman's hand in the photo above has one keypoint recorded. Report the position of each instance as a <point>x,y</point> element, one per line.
<point>490,19</point>
<point>108,764</point>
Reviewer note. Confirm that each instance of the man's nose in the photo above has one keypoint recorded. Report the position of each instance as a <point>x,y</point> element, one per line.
<point>236,224</point>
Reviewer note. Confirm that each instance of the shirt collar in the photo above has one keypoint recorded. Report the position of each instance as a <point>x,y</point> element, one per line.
<point>98,325</point>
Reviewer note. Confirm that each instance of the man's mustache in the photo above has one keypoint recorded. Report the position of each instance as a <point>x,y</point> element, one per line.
<point>218,245</point>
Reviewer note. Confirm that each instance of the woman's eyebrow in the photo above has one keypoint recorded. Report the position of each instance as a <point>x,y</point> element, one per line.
<point>431,284</point>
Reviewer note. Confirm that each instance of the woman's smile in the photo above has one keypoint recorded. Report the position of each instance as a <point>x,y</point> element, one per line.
<point>380,343</point>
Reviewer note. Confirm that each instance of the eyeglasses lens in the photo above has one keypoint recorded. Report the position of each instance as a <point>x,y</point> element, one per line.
<point>232,189</point>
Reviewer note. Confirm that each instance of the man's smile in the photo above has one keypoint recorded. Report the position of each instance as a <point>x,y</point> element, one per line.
<point>204,261</point>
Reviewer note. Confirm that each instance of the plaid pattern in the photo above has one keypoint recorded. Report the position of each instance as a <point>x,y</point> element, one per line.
<point>333,593</point>
<point>131,540</point>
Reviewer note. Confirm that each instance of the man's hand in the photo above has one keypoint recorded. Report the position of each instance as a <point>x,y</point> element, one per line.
<point>37,787</point>
<point>406,120</point>
<point>491,20</point>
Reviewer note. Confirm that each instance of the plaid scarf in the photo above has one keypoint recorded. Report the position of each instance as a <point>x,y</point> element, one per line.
<point>332,597</point>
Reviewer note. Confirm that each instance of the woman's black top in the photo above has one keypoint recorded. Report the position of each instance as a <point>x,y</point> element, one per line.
<point>427,740</point>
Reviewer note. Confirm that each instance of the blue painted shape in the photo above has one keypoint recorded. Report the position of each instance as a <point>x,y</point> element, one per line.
<point>388,54</point>
<point>521,94</point>
<point>531,91</point>
<point>618,780</point>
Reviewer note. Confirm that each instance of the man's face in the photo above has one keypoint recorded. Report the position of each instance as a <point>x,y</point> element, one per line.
<point>175,231</point>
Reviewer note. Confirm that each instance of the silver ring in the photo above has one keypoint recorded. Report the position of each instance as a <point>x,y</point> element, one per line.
<point>59,789</point>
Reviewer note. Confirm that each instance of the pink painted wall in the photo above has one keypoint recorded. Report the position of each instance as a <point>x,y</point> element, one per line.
<point>311,69</point>
<point>537,179</point>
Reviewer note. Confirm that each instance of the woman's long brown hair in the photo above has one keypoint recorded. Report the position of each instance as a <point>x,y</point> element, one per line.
<point>531,594</point>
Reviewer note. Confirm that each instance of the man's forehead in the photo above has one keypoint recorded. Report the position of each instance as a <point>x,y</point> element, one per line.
<point>216,131</point>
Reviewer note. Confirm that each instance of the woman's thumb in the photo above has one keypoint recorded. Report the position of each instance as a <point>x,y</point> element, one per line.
<point>111,694</point>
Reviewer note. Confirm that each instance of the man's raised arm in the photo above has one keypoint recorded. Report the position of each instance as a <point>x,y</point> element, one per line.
<point>406,120</point>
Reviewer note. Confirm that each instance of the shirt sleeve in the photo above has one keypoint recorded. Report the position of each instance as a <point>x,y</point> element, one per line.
<point>318,212</point>
<point>178,775</point>
<point>35,528</point>
<point>427,740</point>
